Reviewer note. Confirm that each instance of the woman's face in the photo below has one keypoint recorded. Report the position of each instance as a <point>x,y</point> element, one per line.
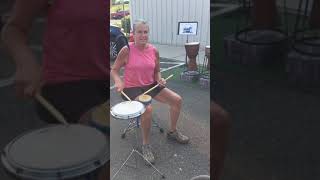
<point>141,34</point>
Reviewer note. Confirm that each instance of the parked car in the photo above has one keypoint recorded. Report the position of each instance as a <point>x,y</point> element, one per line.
<point>117,41</point>
<point>119,14</point>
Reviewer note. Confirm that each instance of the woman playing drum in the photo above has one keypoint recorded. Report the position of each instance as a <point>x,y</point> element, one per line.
<point>142,71</point>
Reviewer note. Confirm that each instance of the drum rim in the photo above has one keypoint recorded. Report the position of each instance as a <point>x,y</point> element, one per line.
<point>192,43</point>
<point>284,39</point>
<point>62,172</point>
<point>133,115</point>
<point>303,41</point>
<point>99,126</point>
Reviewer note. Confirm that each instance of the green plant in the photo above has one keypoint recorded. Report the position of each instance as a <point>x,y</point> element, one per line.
<point>126,24</point>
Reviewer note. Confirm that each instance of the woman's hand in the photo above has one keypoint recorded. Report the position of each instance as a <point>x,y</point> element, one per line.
<point>27,79</point>
<point>119,86</point>
<point>162,82</point>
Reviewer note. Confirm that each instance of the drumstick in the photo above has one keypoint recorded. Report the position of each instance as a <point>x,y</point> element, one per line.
<point>125,95</point>
<point>51,109</point>
<point>156,85</point>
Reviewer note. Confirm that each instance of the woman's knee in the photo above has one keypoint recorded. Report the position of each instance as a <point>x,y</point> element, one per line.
<point>148,109</point>
<point>177,100</point>
<point>221,118</point>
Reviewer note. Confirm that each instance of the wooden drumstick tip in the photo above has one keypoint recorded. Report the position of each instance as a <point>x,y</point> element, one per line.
<point>169,77</point>
<point>125,95</point>
<point>51,109</point>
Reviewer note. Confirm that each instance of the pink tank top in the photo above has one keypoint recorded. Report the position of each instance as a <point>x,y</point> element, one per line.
<point>139,70</point>
<point>76,41</point>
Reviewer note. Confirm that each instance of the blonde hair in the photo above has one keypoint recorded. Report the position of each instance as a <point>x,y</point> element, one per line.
<point>139,21</point>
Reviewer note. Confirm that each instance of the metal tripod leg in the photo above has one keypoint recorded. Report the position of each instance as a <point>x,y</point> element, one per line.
<point>137,152</point>
<point>134,150</point>
<point>131,126</point>
<point>156,124</point>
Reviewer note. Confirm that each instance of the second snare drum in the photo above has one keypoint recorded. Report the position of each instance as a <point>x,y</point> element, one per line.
<point>145,99</point>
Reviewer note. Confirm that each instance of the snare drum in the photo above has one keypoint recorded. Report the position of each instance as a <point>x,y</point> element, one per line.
<point>127,110</point>
<point>57,152</point>
<point>145,99</point>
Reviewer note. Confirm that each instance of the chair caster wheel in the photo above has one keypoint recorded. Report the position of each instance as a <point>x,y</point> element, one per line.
<point>161,130</point>
<point>123,135</point>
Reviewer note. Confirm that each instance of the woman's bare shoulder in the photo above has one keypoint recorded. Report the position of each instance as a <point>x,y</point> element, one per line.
<point>124,51</point>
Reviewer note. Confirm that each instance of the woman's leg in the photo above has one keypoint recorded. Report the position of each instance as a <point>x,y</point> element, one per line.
<point>146,125</point>
<point>104,174</point>
<point>174,100</point>
<point>221,125</point>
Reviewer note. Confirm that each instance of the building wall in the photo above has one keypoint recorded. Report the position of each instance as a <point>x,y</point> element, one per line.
<point>163,17</point>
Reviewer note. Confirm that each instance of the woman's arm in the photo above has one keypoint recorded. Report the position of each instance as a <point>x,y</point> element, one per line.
<point>15,38</point>
<point>157,73</point>
<point>121,61</point>
<point>16,31</point>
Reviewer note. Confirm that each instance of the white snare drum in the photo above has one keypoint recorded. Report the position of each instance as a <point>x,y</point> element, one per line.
<point>145,99</point>
<point>57,152</point>
<point>127,110</point>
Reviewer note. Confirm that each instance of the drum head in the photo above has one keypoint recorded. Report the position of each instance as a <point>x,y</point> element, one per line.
<point>56,152</point>
<point>144,98</point>
<point>127,110</point>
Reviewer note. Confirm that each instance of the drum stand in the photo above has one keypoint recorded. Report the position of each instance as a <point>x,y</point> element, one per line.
<point>136,126</point>
<point>133,124</point>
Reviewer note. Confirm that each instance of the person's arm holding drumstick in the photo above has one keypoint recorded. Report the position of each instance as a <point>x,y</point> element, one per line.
<point>120,62</point>
<point>15,38</point>
<point>157,73</point>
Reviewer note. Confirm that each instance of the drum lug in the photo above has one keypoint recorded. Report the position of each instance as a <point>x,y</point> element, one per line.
<point>59,175</point>
<point>97,163</point>
<point>19,170</point>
